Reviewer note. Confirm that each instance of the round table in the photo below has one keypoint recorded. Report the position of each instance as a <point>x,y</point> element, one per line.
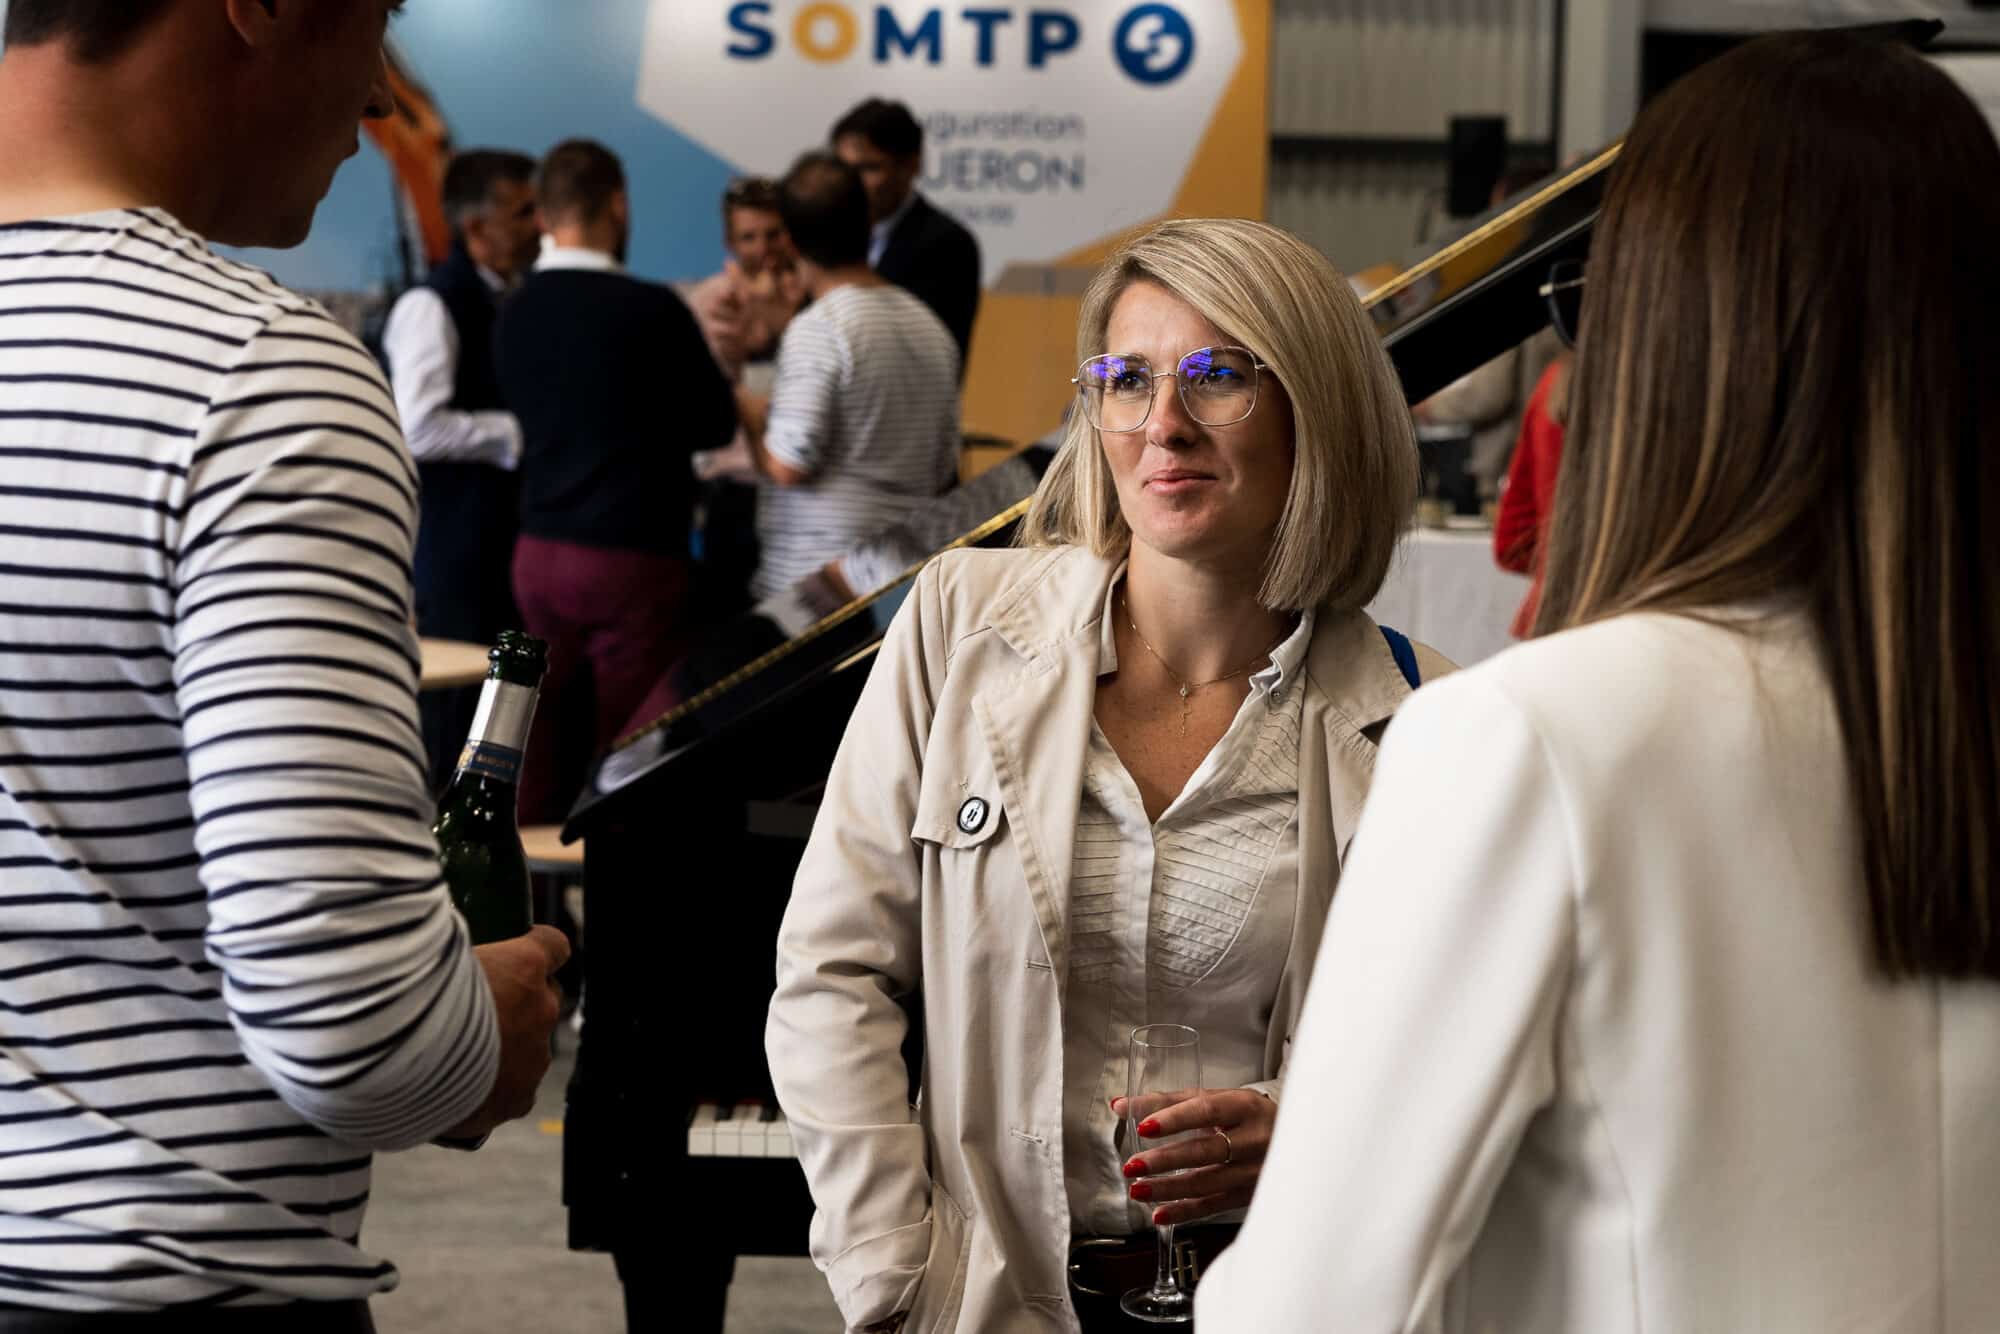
<point>1444,589</point>
<point>543,846</point>
<point>451,662</point>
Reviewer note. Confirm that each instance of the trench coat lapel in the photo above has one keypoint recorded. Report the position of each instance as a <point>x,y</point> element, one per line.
<point>1037,725</point>
<point>1359,687</point>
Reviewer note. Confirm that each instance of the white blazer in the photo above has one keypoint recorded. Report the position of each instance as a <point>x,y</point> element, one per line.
<point>941,858</point>
<point>1593,1042</point>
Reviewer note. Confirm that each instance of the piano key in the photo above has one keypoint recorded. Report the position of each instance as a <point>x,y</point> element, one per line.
<point>767,1121</point>
<point>739,1130</point>
<point>756,1117</point>
<point>701,1131</point>
<point>733,1125</point>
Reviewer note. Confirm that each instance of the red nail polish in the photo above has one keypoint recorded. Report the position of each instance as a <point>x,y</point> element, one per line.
<point>1149,1127</point>
<point>1142,1190</point>
<point>1135,1168</point>
<point>1159,1217</point>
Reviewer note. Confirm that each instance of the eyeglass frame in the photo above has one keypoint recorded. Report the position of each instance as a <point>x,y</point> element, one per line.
<point>1554,287</point>
<point>1180,386</point>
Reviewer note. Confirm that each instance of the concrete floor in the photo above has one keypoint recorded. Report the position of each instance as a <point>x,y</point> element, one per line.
<point>479,1238</point>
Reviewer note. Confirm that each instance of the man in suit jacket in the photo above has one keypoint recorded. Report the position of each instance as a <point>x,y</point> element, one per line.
<point>914,245</point>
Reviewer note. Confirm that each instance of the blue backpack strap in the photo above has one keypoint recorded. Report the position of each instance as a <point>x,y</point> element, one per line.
<point>1406,656</point>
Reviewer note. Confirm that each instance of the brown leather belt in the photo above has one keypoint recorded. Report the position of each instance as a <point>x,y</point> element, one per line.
<point>1103,1269</point>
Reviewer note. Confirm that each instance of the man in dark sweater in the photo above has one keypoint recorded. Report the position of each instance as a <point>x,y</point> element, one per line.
<point>615,389</point>
<point>914,245</point>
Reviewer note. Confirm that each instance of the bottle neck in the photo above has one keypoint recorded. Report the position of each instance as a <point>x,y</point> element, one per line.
<point>499,734</point>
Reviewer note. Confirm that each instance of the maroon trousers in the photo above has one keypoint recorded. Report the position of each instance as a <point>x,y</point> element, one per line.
<point>615,620</point>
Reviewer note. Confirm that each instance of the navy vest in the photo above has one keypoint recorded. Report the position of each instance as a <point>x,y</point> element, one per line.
<point>471,511</point>
<point>474,311</point>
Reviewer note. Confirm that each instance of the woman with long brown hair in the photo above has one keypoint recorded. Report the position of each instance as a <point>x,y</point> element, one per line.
<point>1678,1011</point>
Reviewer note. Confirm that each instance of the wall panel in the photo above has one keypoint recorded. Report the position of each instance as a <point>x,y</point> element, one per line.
<point>1362,95</point>
<point>1401,68</point>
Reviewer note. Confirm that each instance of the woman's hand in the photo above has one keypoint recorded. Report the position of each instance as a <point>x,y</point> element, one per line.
<point>1224,1166</point>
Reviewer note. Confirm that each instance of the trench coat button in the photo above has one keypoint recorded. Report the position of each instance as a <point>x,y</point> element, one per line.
<point>972,815</point>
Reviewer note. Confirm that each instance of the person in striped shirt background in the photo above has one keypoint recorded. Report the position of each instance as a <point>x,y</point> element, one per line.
<point>862,426</point>
<point>228,966</point>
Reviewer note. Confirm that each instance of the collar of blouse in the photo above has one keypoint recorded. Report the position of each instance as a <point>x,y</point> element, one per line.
<point>1063,597</point>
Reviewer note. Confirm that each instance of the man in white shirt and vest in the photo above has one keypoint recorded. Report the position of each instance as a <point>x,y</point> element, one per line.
<point>439,348</point>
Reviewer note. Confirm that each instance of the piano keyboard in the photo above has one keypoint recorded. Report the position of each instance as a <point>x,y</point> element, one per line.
<point>745,1130</point>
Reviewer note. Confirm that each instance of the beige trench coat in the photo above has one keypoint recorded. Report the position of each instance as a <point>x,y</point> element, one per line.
<point>955,1210</point>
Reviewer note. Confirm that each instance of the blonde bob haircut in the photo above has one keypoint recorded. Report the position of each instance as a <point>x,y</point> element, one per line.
<point>1354,464</point>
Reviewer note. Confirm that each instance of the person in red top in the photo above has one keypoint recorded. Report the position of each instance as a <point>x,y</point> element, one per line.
<point>1530,493</point>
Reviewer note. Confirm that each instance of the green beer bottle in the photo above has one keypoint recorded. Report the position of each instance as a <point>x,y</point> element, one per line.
<point>478,841</point>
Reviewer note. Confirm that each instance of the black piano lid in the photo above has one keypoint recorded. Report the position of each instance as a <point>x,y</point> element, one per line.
<point>842,642</point>
<point>1446,316</point>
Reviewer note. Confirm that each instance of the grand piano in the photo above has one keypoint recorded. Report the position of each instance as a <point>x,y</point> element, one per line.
<point>676,1159</point>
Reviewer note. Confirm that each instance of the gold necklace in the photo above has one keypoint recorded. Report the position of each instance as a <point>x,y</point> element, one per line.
<point>1189,687</point>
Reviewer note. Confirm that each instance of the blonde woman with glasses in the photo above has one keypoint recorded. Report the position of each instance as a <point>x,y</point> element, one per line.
<point>1103,781</point>
<point>1688,1020</point>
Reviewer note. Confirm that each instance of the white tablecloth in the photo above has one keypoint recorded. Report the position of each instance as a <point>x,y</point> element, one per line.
<point>1444,589</point>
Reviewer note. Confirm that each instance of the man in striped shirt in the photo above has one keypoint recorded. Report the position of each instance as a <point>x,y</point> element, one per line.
<point>228,967</point>
<point>862,424</point>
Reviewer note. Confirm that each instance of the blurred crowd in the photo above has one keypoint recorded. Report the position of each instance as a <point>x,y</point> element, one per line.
<point>630,470</point>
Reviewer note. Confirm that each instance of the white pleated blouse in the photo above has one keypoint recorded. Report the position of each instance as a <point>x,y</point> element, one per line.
<point>1183,921</point>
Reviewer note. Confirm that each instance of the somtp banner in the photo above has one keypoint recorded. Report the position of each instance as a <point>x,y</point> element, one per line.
<point>1049,129</point>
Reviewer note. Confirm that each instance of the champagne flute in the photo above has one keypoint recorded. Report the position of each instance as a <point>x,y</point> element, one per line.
<point>1164,1069</point>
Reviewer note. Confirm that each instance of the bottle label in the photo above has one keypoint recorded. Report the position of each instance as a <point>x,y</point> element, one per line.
<point>499,731</point>
<point>490,760</point>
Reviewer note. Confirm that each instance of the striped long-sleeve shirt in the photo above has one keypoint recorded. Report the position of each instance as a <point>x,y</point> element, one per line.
<point>865,403</point>
<point>228,966</point>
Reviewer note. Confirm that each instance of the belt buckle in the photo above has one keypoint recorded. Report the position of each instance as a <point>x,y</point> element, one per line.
<point>1185,1265</point>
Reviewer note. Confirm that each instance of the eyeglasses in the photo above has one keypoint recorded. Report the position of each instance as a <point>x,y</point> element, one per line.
<point>1217,385</point>
<point>1564,293</point>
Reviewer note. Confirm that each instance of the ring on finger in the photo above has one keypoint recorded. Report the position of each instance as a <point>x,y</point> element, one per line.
<point>1228,1149</point>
